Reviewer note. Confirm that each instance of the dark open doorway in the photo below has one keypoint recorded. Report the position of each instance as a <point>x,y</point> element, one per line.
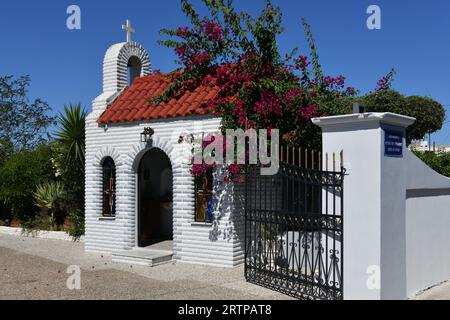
<point>155,215</point>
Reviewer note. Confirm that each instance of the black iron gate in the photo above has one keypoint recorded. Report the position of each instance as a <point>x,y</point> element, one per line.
<point>294,229</point>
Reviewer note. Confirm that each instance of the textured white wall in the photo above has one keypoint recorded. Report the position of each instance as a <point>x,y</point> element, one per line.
<point>215,244</point>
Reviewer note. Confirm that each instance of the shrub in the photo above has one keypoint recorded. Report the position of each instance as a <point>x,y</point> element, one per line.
<point>20,174</point>
<point>36,224</point>
<point>439,162</point>
<point>76,229</point>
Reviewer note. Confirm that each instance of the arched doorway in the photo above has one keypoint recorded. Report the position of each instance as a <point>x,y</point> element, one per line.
<point>155,196</point>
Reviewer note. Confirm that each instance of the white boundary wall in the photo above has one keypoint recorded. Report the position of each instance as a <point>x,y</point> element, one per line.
<point>396,211</point>
<point>427,226</point>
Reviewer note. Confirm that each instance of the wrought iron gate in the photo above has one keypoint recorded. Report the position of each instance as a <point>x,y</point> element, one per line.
<point>294,229</point>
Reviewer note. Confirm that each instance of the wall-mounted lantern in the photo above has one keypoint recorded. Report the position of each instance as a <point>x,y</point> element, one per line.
<point>147,135</point>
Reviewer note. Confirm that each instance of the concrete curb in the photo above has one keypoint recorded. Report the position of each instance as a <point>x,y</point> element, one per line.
<point>55,235</point>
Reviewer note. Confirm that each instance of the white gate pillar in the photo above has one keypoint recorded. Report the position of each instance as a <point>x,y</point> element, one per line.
<point>374,201</point>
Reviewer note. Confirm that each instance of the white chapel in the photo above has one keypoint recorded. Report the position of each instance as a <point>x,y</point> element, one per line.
<point>142,203</point>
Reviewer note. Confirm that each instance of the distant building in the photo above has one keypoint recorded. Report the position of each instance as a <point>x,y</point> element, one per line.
<point>423,145</point>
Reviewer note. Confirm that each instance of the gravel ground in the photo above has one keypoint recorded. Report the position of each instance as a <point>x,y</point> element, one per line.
<point>36,269</point>
<point>439,292</point>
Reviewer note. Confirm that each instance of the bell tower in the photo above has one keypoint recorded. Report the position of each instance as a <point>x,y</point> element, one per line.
<point>123,62</point>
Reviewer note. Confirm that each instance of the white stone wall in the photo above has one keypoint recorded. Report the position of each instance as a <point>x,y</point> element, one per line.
<point>396,211</point>
<point>215,244</point>
<point>427,222</point>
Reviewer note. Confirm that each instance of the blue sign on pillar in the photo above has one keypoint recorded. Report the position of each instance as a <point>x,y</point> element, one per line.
<point>393,143</point>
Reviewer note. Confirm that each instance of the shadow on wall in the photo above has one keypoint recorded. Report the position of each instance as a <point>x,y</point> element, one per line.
<point>238,214</point>
<point>223,205</point>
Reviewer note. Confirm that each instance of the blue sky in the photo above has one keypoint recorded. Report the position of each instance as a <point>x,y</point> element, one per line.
<point>66,66</point>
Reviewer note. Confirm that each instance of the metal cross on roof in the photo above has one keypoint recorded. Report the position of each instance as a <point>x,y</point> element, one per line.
<point>129,30</point>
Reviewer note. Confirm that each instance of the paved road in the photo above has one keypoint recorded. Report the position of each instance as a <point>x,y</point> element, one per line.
<point>36,269</point>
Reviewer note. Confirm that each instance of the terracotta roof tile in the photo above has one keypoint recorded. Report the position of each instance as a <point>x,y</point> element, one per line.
<point>133,103</point>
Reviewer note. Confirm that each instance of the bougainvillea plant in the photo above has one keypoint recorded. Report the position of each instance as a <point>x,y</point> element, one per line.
<point>203,163</point>
<point>258,87</point>
<point>385,83</point>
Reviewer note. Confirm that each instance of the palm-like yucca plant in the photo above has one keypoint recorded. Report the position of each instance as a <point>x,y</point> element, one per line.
<point>47,193</point>
<point>45,197</point>
<point>71,133</point>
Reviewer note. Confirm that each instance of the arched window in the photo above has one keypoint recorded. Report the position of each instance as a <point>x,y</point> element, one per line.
<point>109,188</point>
<point>204,197</point>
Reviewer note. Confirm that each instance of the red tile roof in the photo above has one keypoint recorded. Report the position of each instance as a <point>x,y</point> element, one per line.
<point>133,103</point>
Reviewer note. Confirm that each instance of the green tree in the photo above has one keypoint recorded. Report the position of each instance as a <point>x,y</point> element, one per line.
<point>23,122</point>
<point>429,114</point>
<point>70,150</point>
